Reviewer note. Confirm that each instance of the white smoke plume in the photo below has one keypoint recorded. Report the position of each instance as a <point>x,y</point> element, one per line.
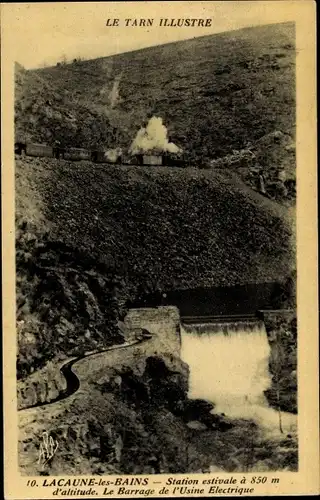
<point>113,154</point>
<point>153,137</point>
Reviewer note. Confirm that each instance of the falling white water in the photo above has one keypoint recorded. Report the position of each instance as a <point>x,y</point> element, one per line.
<point>229,366</point>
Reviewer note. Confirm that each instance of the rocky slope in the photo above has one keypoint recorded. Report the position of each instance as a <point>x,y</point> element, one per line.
<point>137,419</point>
<point>282,334</point>
<point>91,237</point>
<point>215,93</point>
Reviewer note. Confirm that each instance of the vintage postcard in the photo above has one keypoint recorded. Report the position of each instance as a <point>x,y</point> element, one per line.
<point>159,249</point>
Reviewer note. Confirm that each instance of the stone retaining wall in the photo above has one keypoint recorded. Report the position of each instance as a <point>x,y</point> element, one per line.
<point>162,322</point>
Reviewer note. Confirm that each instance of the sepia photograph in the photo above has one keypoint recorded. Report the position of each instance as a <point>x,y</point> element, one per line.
<point>155,179</point>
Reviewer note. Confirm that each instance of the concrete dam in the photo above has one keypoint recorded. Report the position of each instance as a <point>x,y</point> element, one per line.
<point>227,354</point>
<point>221,301</point>
<point>228,357</point>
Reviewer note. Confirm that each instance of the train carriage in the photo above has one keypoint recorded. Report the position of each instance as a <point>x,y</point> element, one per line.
<point>77,154</point>
<point>32,149</point>
<point>98,156</point>
<point>39,150</point>
<point>172,160</point>
<point>148,159</point>
<point>152,160</point>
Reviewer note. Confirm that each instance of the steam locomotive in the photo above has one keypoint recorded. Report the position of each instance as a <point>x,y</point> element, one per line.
<point>97,156</point>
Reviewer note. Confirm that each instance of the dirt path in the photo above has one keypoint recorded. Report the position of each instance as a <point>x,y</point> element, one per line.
<point>287,213</point>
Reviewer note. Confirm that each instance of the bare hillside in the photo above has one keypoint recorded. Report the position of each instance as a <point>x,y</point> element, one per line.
<point>214,93</point>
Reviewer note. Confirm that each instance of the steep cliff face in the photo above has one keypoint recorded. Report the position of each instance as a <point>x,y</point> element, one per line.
<point>63,308</point>
<point>42,386</point>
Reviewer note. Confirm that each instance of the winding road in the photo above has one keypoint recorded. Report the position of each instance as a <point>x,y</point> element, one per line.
<point>72,381</point>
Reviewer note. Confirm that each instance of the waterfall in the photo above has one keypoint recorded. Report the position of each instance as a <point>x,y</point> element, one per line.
<point>229,366</point>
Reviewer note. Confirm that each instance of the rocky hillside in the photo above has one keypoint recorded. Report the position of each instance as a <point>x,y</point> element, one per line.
<point>215,94</point>
<point>91,237</point>
<point>282,334</point>
<point>162,225</point>
<point>137,419</point>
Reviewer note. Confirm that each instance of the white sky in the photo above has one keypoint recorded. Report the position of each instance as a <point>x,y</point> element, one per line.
<point>42,33</point>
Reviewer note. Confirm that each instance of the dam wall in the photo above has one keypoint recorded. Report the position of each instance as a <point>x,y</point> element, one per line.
<point>216,301</point>
<point>273,314</point>
<point>162,322</point>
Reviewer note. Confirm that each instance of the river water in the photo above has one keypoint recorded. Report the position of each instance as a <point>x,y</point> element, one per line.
<point>229,367</point>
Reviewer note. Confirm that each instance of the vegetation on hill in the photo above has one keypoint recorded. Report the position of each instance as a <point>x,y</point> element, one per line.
<point>215,93</point>
<point>282,334</point>
<point>220,97</point>
<point>267,165</point>
<point>45,114</point>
